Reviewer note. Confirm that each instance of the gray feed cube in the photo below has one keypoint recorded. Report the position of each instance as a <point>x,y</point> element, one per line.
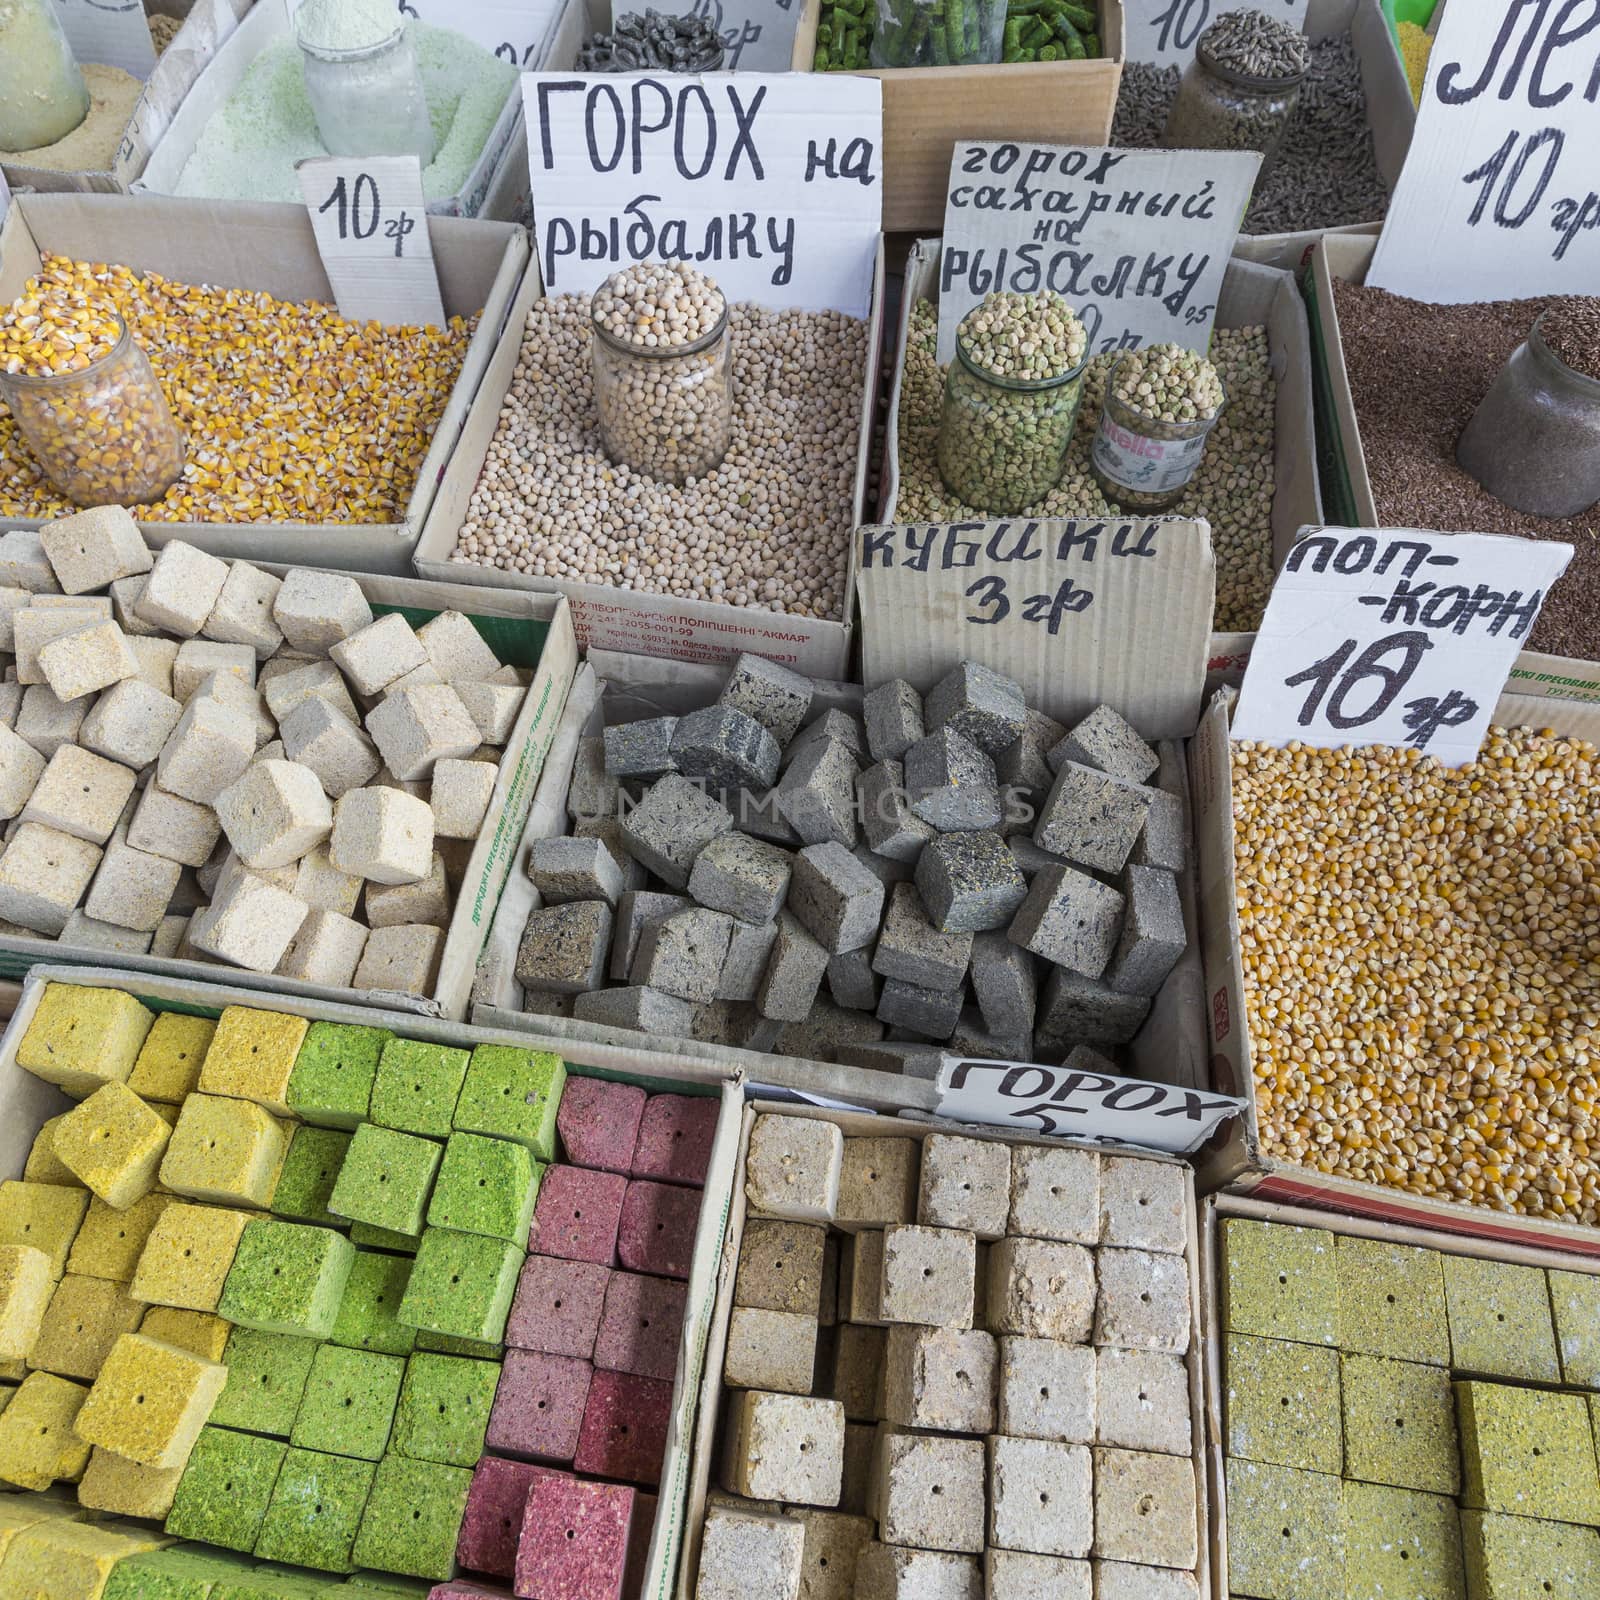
<point>1092,818</point>
<point>974,1037</point>
<point>1029,857</point>
<point>794,973</point>
<point>837,899</point>
<point>1005,984</point>
<point>893,829</point>
<point>851,980</point>
<point>726,747</point>
<point>671,825</point>
<point>907,1057</point>
<point>1163,841</point>
<point>983,705</point>
<point>887,872</point>
<point>893,716</point>
<point>831,724</point>
<point>748,878</point>
<point>933,1013</point>
<point>592,792</point>
<point>1071,919</point>
<point>683,954</point>
<point>563,949</point>
<point>574,869</point>
<point>912,950</point>
<point>735,1023</point>
<point>1108,743</point>
<point>969,882</point>
<point>636,910</point>
<point>646,1010</point>
<point>749,950</point>
<point>1153,936</point>
<point>640,750</point>
<point>1074,1008</point>
<point>952,783</point>
<point>756,813</point>
<point>1024,764</point>
<point>777,697</point>
<point>826,1030</point>
<point>817,793</point>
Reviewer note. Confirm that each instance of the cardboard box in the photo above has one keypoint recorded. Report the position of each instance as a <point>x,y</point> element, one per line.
<point>531,630</point>
<point>611,618</point>
<point>207,25</point>
<point>854,1124</point>
<point>927,111</point>
<point>27,1102</point>
<point>272,248</point>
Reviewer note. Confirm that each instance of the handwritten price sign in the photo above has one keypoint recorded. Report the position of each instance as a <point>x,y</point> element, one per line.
<point>1165,32</point>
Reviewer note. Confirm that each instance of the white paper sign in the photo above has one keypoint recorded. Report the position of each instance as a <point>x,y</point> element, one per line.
<point>757,35</point>
<point>514,30</point>
<point>1137,240</point>
<point>1081,1105</point>
<point>112,33</point>
<point>1393,636</point>
<point>772,185</point>
<point>372,233</point>
<point>1166,31</point>
<point>1499,198</point>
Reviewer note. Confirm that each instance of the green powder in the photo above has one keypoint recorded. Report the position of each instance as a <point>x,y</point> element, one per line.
<point>249,147</point>
<point>345,24</point>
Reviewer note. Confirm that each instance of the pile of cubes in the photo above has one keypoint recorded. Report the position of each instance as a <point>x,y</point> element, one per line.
<point>955,1368</point>
<point>1403,1421</point>
<point>200,760</point>
<point>258,1287</point>
<point>962,873</point>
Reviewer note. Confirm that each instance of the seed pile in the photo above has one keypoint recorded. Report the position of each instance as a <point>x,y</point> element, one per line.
<point>1031,337</point>
<point>1233,488</point>
<point>45,334</point>
<point>1326,172</point>
<point>1417,373</point>
<point>293,414</point>
<point>1421,952</point>
<point>771,527</point>
<point>1255,45</point>
<point>654,43</point>
<point>655,305</point>
<point>1571,332</point>
<point>92,145</point>
<point>1416,45</point>
<point>1167,383</point>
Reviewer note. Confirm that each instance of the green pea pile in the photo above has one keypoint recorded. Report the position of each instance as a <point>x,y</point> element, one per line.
<point>1167,383</point>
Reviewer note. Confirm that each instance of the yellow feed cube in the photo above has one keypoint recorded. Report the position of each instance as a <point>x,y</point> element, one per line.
<point>38,1443</point>
<point>168,1067</point>
<point>251,1056</point>
<point>43,1215</point>
<point>187,1257</point>
<point>85,1319</point>
<point>81,1038</point>
<point>225,1150</point>
<point>43,1164</point>
<point>25,1284</point>
<point>13,1369</point>
<point>150,1401</point>
<point>168,1114</point>
<point>59,1560</point>
<point>115,1484</point>
<point>114,1143</point>
<point>110,1241</point>
<point>199,1332</point>
<point>19,1511</point>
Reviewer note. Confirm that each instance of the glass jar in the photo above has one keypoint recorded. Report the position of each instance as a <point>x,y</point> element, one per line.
<point>1218,108</point>
<point>1003,441</point>
<point>42,93</point>
<point>369,102</point>
<point>1534,441</point>
<point>1141,463</point>
<point>666,412</point>
<point>105,435</point>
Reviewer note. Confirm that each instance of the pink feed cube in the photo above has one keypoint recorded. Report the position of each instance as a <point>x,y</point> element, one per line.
<point>464,1589</point>
<point>577,1215</point>
<point>574,1540</point>
<point>538,1408</point>
<point>599,1122</point>
<point>558,1306</point>
<point>656,1233</point>
<point>641,1326</point>
<point>675,1137</point>
<point>493,1518</point>
<point>624,1431</point>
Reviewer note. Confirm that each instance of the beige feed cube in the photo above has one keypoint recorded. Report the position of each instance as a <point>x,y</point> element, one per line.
<point>313,679</point>
<point>382,834</point>
<point>197,659</point>
<point>456,649</point>
<point>748,1556</point>
<point>93,934</point>
<point>93,548</point>
<point>249,924</point>
<point>326,949</point>
<point>493,706</point>
<point>230,690</point>
<point>80,793</point>
<point>168,825</point>
<point>425,901</point>
<point>12,600</point>
<point>87,660</point>
<point>316,610</point>
<point>21,767</point>
<point>183,586</point>
<point>125,594</point>
<point>208,750</point>
<point>243,612</point>
<point>46,722</point>
<point>1041,1288</point>
<point>1144,1509</point>
<point>459,796</point>
<point>426,673</point>
<point>42,624</point>
<point>414,728</point>
<point>323,886</point>
<point>1040,1496</point>
<point>24,563</point>
<point>156,656</point>
<point>274,813</point>
<point>785,1447</point>
<point>130,723</point>
<point>318,735</point>
<point>43,875</point>
<point>168,938</point>
<point>132,888</point>
<point>928,1491</point>
<point>381,652</point>
<point>403,959</point>
<point>792,1167</point>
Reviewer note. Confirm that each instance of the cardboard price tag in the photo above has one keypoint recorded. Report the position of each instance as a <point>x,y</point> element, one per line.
<point>1081,1105</point>
<point>113,33</point>
<point>1499,199</point>
<point>1165,32</point>
<point>1393,636</point>
<point>371,224</point>
<point>1115,612</point>
<point>1137,240</point>
<point>771,185</point>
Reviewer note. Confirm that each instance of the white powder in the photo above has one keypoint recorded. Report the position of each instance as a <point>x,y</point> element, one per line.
<point>346,24</point>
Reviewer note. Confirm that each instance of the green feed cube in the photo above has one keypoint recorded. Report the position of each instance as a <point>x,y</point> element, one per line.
<point>1399,1424</point>
<point>316,1510</point>
<point>485,1186</point>
<point>370,1238</point>
<point>444,1409</point>
<point>413,1517</point>
<point>1391,1301</point>
<point>287,1277</point>
<point>1527,1452</point>
<point>1285,1533</point>
<point>372,1296</point>
<point>386,1178</point>
<point>309,1172</point>
<point>267,1375</point>
<point>223,1493</point>
<point>348,1407</point>
<point>331,1084</point>
<point>1283,1404</point>
<point>1401,1545</point>
<point>1279,1282</point>
<point>443,1345</point>
<point>179,1572</point>
<point>1500,1324</point>
<point>417,1086</point>
<point>1575,1302</point>
<point>366,1583</point>
<point>1518,1558</point>
<point>513,1094</point>
<point>461,1285</point>
<point>274,1583</point>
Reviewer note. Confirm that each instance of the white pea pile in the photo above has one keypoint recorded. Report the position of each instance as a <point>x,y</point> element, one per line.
<point>963,873</point>
<point>769,528</point>
<point>1167,383</point>
<point>658,305</point>
<point>1232,489</point>
<point>200,760</point>
<point>1031,337</point>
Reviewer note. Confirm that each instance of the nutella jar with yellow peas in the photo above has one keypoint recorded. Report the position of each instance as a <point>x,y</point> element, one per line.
<point>85,398</point>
